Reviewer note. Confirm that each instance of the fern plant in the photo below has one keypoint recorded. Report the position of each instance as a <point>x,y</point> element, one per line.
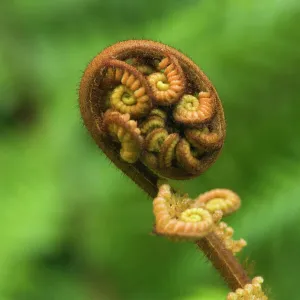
<point>156,116</point>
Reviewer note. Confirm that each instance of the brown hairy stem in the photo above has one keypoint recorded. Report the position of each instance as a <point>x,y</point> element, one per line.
<point>155,115</point>
<point>224,261</point>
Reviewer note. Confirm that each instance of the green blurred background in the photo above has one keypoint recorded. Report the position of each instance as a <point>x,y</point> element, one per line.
<point>63,203</point>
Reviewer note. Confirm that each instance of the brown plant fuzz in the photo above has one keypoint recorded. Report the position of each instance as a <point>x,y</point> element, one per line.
<point>155,115</point>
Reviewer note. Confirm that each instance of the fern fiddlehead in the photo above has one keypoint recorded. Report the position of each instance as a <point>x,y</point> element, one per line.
<point>156,115</point>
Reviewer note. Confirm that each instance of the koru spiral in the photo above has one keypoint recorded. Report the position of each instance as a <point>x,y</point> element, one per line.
<point>154,108</point>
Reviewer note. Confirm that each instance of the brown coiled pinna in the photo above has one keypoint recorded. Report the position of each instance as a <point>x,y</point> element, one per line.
<point>156,115</point>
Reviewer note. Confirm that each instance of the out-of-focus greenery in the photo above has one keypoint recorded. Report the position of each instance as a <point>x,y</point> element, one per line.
<point>71,226</point>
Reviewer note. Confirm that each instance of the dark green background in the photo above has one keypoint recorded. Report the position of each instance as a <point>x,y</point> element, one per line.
<point>71,226</point>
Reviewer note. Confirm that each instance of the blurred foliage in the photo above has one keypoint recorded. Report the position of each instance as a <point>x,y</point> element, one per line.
<point>73,227</point>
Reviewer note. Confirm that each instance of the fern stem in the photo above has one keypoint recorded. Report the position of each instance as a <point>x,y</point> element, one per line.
<point>224,261</point>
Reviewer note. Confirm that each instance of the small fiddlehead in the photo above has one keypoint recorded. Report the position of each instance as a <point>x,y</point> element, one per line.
<point>155,139</point>
<point>155,115</point>
<point>251,291</point>
<point>191,110</point>
<point>124,131</point>
<point>205,138</point>
<point>225,233</point>
<point>219,199</point>
<point>175,216</point>
<point>168,84</point>
<point>130,96</point>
